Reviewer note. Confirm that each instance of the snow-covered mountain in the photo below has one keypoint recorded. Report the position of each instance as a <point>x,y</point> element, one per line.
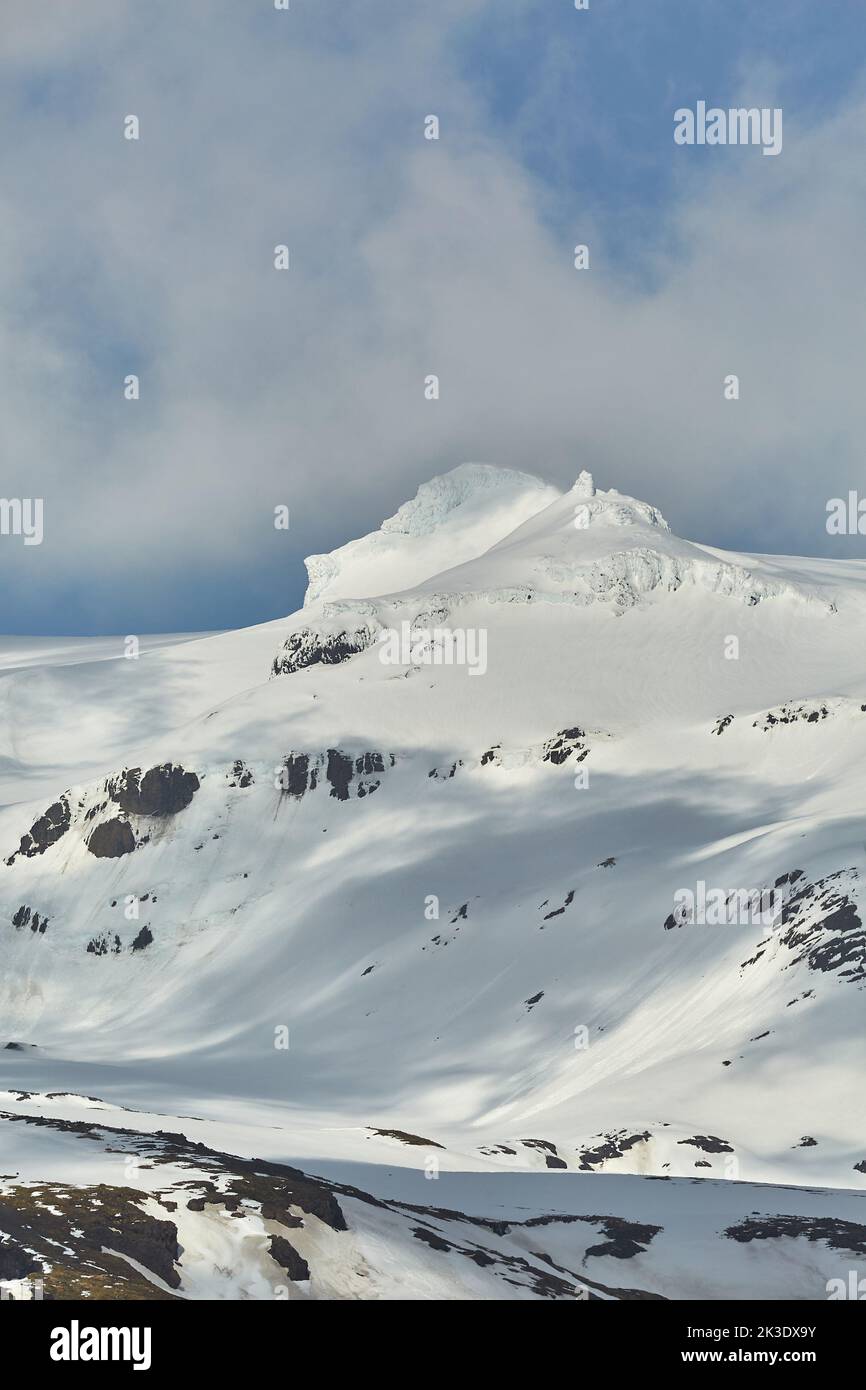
<point>519,869</point>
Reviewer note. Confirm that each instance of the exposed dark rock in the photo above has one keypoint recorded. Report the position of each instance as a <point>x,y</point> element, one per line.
<point>104,945</point>
<point>17,1263</point>
<point>752,959</point>
<point>445,774</point>
<point>46,831</point>
<point>519,1270</point>
<point>144,939</point>
<point>722,724</point>
<point>820,925</point>
<point>544,1145</point>
<point>162,791</point>
<point>847,1236</point>
<point>364,767</point>
<point>557,912</point>
<point>792,714</point>
<point>430,1238</point>
<point>342,772</point>
<point>339,773</point>
<point>563,745</point>
<point>288,1258</point>
<point>625,1239</point>
<point>25,916</point>
<point>531,1003</point>
<point>709,1143</point>
<point>612,1146</point>
<point>240,774</point>
<point>791,877</point>
<point>275,1187</point>
<point>308,648</point>
<point>807,1142</point>
<point>405,1138</point>
<point>108,1222</point>
<point>111,839</point>
<point>299,775</point>
<point>368,763</point>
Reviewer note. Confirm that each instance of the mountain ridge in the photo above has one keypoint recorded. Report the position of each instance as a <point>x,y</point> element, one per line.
<point>454,895</point>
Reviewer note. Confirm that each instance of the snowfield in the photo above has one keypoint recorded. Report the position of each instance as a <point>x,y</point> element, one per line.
<point>330,976</point>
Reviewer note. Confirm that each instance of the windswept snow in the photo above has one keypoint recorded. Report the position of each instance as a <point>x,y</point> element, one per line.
<point>452,518</point>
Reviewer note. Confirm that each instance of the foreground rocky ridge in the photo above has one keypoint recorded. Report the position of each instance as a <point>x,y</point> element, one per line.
<point>182,1220</point>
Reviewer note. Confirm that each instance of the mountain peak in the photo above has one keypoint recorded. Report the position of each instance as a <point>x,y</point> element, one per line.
<point>452,518</point>
<point>441,495</point>
<point>610,508</point>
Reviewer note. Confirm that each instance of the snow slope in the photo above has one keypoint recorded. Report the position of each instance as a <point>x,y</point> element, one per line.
<point>317,900</point>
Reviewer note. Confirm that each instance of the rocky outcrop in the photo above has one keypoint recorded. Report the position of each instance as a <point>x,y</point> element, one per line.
<point>47,830</point>
<point>345,774</point>
<point>111,839</point>
<point>158,793</point>
<point>810,712</point>
<point>709,1143</point>
<point>288,1258</point>
<point>309,648</point>
<point>25,917</point>
<point>104,945</point>
<point>403,1137</point>
<point>611,1146</point>
<point>240,775</point>
<point>564,745</point>
<point>36,1235</point>
<point>556,750</point>
<point>548,1151</point>
<point>300,774</point>
<point>846,1236</point>
<point>820,926</point>
<point>444,774</point>
<point>161,791</point>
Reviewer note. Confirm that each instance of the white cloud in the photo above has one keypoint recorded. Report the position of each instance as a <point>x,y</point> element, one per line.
<point>408,257</point>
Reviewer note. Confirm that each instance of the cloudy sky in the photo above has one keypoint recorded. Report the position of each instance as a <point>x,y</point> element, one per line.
<point>409,257</point>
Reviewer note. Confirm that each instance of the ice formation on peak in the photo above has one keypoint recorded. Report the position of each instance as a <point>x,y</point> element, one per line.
<point>438,497</point>
<point>452,518</point>
<point>612,508</point>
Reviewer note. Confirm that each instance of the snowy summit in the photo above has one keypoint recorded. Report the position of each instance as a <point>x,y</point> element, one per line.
<point>479,945</point>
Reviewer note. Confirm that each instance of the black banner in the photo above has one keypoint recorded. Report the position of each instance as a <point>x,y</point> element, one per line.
<point>647,1336</point>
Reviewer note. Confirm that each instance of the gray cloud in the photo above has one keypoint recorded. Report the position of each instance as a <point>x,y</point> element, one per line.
<point>408,257</point>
